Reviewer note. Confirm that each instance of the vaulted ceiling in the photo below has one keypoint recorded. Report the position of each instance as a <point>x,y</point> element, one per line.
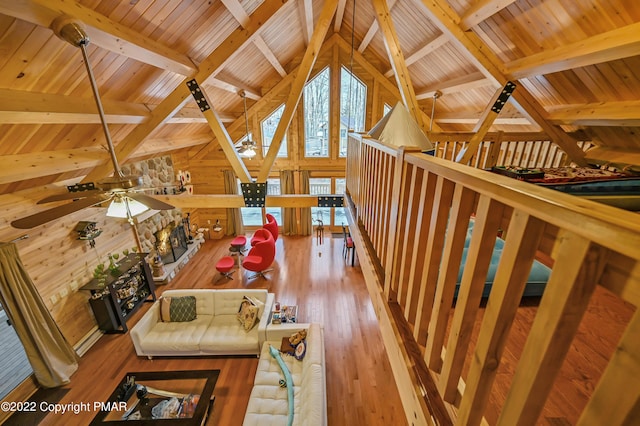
<point>576,65</point>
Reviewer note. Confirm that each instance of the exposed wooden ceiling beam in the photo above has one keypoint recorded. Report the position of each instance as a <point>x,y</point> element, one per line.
<point>233,86</point>
<point>481,10</point>
<point>396,57</point>
<point>373,29</point>
<point>238,12</point>
<point>220,132</point>
<point>21,107</point>
<point>455,85</point>
<point>193,115</point>
<point>243,19</point>
<point>431,45</point>
<point>306,16</point>
<point>616,44</point>
<point>180,95</point>
<point>212,201</point>
<point>269,55</point>
<point>625,113</point>
<point>446,19</point>
<point>14,168</point>
<point>337,23</point>
<point>17,167</point>
<point>102,32</point>
<point>297,86</point>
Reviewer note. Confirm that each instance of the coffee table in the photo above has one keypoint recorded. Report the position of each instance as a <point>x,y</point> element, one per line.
<point>190,391</point>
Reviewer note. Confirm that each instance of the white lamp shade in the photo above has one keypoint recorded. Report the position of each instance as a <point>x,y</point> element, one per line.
<point>249,153</point>
<point>118,207</point>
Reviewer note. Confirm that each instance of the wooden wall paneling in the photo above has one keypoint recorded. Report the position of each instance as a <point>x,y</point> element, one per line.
<point>462,208</point>
<point>518,255</point>
<point>442,199</point>
<point>487,222</point>
<point>414,181</point>
<point>421,234</point>
<point>561,310</point>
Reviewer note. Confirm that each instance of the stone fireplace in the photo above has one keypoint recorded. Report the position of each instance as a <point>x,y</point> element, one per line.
<point>171,243</point>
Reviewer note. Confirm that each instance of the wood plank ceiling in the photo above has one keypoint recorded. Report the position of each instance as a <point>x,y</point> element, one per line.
<point>577,65</point>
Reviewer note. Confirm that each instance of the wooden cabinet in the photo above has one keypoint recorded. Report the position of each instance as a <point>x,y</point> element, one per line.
<point>122,293</point>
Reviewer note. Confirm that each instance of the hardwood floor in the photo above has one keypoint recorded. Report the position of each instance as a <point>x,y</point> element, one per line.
<point>360,385</point>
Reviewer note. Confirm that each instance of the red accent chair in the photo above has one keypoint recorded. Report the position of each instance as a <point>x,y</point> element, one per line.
<point>261,255</point>
<point>271,226</point>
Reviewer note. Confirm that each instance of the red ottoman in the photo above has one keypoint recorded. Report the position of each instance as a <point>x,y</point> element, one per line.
<point>225,266</point>
<point>237,245</point>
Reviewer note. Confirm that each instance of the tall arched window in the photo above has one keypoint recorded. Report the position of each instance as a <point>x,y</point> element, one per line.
<point>353,106</point>
<point>316,116</point>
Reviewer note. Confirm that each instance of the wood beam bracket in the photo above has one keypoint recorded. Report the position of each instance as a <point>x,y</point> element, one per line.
<point>504,97</point>
<point>197,94</point>
<point>254,193</point>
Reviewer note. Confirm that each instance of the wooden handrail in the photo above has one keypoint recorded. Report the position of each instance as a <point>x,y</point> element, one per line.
<point>426,204</point>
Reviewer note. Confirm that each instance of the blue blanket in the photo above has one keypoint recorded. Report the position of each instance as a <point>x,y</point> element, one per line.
<point>536,282</point>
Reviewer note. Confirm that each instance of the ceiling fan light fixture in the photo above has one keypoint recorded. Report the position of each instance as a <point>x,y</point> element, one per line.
<point>249,153</point>
<point>125,208</point>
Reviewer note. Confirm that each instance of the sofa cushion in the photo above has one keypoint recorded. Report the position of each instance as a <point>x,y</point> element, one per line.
<point>227,335</point>
<point>269,405</point>
<point>176,336</point>
<point>178,309</point>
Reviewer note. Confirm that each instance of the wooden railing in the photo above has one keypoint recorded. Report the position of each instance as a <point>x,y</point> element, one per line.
<point>410,213</point>
<point>497,151</point>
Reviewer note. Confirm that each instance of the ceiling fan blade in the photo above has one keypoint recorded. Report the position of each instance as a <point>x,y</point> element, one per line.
<point>150,202</point>
<point>70,196</point>
<point>58,212</point>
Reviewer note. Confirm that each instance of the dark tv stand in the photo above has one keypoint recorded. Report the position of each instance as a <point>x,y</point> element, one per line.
<point>122,294</point>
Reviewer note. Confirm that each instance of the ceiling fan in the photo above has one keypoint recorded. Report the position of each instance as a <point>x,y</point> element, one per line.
<point>247,146</point>
<point>121,190</point>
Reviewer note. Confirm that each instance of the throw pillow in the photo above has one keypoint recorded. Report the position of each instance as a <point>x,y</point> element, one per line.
<point>248,314</point>
<point>260,304</point>
<point>178,309</point>
<point>286,347</point>
<point>301,350</point>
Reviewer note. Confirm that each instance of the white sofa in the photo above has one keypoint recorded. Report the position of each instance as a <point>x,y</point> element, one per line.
<point>268,403</point>
<point>215,331</point>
